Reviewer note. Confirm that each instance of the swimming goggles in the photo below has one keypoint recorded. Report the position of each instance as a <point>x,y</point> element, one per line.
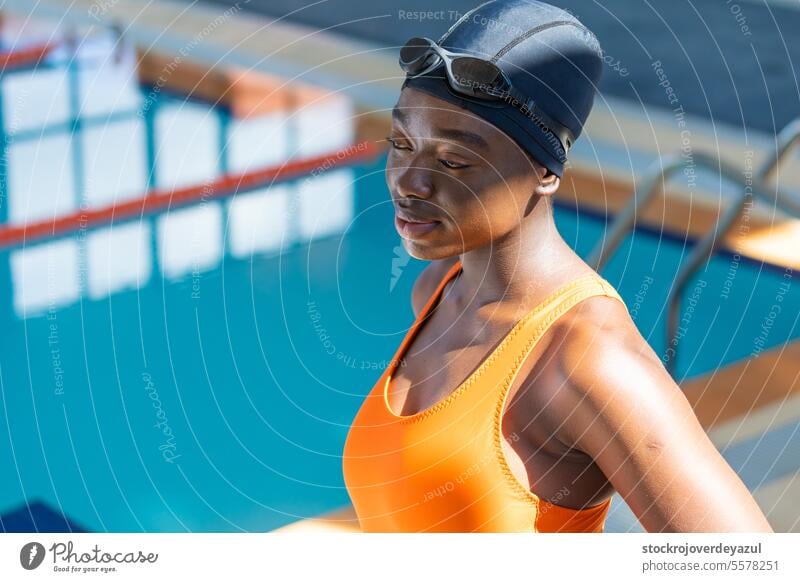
<point>480,79</point>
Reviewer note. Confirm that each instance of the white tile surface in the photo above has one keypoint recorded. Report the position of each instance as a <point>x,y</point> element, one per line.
<point>32,99</point>
<point>115,162</point>
<point>258,221</point>
<point>45,276</point>
<point>256,142</point>
<point>40,179</point>
<point>190,239</point>
<point>107,86</point>
<point>117,258</point>
<point>324,126</point>
<point>187,145</point>
<point>325,204</point>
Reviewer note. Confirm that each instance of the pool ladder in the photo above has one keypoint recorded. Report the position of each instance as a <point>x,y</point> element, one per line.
<point>655,178</point>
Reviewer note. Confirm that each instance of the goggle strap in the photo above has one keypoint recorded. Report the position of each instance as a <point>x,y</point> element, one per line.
<point>562,132</point>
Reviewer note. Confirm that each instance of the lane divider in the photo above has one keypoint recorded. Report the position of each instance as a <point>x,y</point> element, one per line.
<point>159,200</point>
<point>28,56</point>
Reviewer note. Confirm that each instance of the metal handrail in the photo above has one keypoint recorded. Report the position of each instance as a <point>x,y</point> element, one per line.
<point>707,245</point>
<point>787,139</point>
<point>655,177</point>
<point>702,251</point>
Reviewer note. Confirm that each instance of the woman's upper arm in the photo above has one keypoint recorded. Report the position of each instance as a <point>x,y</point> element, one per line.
<point>624,410</point>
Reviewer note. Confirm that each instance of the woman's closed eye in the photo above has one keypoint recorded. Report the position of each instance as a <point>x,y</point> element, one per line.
<point>396,144</point>
<point>450,165</point>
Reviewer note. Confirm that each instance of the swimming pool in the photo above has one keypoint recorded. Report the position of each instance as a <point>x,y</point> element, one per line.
<point>220,400</point>
<point>196,369</point>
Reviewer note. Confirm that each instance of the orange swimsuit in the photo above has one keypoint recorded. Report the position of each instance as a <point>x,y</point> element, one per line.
<point>443,469</point>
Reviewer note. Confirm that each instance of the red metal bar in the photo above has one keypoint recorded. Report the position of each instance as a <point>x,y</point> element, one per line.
<point>29,56</point>
<point>156,200</point>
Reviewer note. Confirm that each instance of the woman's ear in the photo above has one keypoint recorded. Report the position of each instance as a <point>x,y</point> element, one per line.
<point>548,182</point>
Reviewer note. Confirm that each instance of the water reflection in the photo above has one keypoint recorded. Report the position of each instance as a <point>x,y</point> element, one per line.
<point>84,131</point>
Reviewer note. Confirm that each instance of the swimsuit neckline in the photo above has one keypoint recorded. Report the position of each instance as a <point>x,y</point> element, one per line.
<point>486,361</point>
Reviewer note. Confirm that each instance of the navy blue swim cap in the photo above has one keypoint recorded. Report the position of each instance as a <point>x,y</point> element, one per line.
<point>547,54</point>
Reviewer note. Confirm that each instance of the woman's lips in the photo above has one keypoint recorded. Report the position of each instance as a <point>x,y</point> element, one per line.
<point>413,229</point>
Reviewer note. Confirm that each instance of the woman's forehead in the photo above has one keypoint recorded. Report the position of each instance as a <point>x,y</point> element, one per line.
<point>425,115</point>
<point>418,103</point>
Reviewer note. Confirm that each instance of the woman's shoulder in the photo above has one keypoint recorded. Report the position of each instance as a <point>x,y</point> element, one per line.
<point>599,340</point>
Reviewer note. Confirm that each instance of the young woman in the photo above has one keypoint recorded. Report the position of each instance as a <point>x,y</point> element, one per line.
<point>526,395</point>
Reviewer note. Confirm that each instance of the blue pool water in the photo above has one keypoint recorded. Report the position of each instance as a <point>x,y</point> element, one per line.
<point>220,401</point>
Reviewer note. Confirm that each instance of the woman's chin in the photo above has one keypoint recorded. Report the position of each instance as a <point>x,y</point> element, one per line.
<point>421,252</point>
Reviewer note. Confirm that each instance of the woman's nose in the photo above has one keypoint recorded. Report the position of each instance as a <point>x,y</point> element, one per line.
<point>414,181</point>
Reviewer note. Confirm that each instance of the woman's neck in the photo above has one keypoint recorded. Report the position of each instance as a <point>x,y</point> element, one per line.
<point>533,255</point>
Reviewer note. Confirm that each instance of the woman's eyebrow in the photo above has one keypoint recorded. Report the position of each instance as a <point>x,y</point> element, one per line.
<point>461,135</point>
<point>398,115</point>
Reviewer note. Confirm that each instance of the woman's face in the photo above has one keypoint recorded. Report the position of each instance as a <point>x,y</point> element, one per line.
<point>470,181</point>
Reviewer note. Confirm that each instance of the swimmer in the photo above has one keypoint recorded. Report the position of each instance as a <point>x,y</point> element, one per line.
<point>527,397</point>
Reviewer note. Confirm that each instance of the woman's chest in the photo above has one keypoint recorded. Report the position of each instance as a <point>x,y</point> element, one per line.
<point>465,356</point>
<point>502,399</point>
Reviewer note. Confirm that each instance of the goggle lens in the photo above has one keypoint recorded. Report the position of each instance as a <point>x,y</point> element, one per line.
<point>413,51</point>
<point>476,73</point>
